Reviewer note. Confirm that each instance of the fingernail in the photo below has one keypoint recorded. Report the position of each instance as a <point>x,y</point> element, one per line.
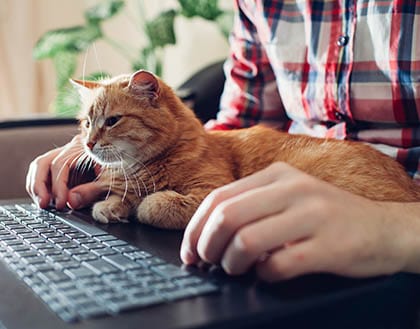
<point>37,201</point>
<point>187,256</point>
<point>75,200</point>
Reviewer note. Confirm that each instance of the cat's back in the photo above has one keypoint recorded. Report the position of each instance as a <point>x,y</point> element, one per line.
<point>354,166</point>
<point>250,149</point>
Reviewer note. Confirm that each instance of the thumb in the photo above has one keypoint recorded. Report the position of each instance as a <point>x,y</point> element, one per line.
<point>84,195</point>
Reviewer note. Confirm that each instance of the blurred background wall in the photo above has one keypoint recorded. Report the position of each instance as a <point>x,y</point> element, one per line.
<point>27,86</point>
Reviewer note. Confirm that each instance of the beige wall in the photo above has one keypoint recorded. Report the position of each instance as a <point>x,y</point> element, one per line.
<point>27,87</point>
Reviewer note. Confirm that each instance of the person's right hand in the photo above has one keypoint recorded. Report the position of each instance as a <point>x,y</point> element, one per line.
<point>48,176</point>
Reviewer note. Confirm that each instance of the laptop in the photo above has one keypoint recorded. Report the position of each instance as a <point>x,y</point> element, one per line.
<point>42,285</point>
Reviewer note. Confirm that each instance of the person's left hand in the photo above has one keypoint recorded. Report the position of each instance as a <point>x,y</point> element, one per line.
<point>287,223</point>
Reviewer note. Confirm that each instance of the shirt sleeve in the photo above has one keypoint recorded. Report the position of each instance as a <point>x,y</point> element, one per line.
<point>250,94</point>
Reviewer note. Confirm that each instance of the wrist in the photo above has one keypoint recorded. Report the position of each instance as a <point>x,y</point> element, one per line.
<point>404,221</point>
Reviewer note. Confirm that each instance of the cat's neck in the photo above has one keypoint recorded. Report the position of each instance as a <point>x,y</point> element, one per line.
<point>189,137</point>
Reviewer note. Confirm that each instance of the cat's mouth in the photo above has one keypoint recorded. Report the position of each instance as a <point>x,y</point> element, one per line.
<point>105,157</point>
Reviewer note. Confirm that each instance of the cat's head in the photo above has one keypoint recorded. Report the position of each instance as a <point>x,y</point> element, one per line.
<point>128,119</point>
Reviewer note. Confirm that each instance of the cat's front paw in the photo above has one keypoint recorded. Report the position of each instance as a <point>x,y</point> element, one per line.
<point>110,211</point>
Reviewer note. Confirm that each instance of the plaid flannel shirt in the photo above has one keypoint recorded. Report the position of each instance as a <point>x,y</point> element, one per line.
<point>347,69</point>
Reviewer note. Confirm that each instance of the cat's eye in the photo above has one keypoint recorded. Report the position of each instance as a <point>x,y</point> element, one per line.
<point>109,122</point>
<point>87,123</point>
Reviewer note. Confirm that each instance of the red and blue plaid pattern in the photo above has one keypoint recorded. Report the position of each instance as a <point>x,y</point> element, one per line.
<point>347,69</point>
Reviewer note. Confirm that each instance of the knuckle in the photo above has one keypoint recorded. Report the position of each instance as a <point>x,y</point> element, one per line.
<point>246,243</point>
<point>300,184</point>
<point>56,162</point>
<point>216,196</point>
<point>319,206</point>
<point>276,168</point>
<point>224,217</point>
<point>205,252</point>
<point>36,162</point>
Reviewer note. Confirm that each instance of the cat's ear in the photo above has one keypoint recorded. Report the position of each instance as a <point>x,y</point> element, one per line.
<point>143,83</point>
<point>84,87</point>
<point>85,84</point>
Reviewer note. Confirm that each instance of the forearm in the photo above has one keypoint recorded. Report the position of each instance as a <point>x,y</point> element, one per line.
<point>404,218</point>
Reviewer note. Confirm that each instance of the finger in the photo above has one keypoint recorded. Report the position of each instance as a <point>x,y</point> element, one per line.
<point>255,240</point>
<point>60,170</point>
<point>38,191</point>
<point>297,259</point>
<point>234,213</point>
<point>84,195</point>
<point>38,179</point>
<point>189,254</point>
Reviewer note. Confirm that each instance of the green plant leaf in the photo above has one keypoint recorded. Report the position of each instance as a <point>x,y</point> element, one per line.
<point>65,65</point>
<point>67,102</point>
<point>225,23</point>
<point>95,76</point>
<point>73,39</point>
<point>103,11</point>
<point>148,60</point>
<point>161,29</point>
<point>207,9</point>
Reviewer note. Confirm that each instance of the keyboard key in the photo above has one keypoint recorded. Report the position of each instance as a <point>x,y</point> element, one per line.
<point>85,228</point>
<point>85,240</point>
<point>104,252</point>
<point>138,255</point>
<point>42,267</point>
<point>170,271</point>
<point>106,237</point>
<point>115,243</point>
<point>126,249</point>
<point>67,265</point>
<point>53,276</point>
<point>85,257</point>
<point>100,266</point>
<point>151,261</point>
<point>133,303</point>
<point>122,262</point>
<point>92,246</point>
<point>78,273</point>
<point>188,281</point>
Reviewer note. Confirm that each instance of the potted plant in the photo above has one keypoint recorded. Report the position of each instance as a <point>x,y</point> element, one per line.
<point>64,45</point>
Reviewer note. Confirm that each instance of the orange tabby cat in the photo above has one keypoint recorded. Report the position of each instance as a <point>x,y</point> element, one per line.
<point>160,163</point>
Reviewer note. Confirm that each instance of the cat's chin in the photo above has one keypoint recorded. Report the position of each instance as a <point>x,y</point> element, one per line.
<point>114,164</point>
<point>107,164</point>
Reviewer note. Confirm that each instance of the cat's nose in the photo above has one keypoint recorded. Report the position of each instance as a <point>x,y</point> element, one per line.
<point>90,145</point>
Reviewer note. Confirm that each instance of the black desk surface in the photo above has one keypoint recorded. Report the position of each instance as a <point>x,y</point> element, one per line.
<point>321,301</point>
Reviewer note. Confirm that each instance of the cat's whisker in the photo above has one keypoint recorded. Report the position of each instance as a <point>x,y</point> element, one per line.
<point>116,154</point>
<point>110,184</point>
<point>138,185</point>
<point>126,184</point>
<point>97,60</point>
<point>85,63</point>
<point>83,164</point>
<point>133,176</point>
<point>67,159</point>
<point>145,168</point>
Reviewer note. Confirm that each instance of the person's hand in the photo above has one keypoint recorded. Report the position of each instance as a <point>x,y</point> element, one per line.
<point>287,223</point>
<point>48,176</point>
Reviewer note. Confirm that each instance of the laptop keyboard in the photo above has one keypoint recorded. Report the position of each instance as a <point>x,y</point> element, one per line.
<point>81,271</point>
